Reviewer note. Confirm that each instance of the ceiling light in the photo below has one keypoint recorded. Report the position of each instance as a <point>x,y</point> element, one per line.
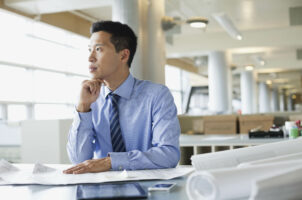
<point>294,96</point>
<point>249,68</point>
<point>227,24</point>
<point>198,22</point>
<point>239,37</point>
<point>269,82</point>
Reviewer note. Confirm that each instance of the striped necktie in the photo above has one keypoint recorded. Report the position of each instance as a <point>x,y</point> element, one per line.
<point>117,141</point>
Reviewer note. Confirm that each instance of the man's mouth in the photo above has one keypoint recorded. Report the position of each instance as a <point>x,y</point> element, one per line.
<point>92,68</point>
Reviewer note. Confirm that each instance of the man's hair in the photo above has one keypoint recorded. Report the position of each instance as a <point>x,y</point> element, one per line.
<point>122,36</point>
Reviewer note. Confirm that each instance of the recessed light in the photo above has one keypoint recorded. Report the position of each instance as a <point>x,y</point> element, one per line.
<point>239,37</point>
<point>198,22</point>
<point>249,68</point>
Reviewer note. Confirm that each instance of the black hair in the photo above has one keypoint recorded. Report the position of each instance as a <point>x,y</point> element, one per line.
<point>122,36</point>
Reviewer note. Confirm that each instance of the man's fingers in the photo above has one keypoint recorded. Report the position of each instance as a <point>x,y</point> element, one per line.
<point>81,171</point>
<point>72,169</point>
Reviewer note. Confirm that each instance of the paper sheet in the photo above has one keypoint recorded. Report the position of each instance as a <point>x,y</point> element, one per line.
<point>285,185</point>
<point>232,183</point>
<point>48,175</point>
<point>289,157</point>
<point>232,158</point>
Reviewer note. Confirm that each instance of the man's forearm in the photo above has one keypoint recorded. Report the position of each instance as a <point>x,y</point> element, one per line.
<point>154,158</point>
<point>80,146</point>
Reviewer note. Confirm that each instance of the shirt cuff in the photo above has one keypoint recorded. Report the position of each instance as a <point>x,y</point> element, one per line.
<point>83,120</point>
<point>119,160</point>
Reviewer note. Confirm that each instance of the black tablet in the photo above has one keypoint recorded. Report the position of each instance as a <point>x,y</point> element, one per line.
<point>111,191</point>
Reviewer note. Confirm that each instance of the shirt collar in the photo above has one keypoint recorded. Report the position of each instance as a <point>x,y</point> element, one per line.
<point>124,90</point>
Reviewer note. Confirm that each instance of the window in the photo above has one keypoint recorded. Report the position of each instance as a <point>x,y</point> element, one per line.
<point>41,68</point>
<point>16,112</point>
<point>177,81</point>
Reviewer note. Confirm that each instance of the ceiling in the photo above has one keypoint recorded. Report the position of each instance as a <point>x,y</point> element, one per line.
<point>269,32</point>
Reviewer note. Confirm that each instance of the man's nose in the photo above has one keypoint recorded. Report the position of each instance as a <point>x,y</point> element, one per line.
<point>91,57</point>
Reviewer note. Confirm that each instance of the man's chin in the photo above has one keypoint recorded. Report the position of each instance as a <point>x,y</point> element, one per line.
<point>95,76</point>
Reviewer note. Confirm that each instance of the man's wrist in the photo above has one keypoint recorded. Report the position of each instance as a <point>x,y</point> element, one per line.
<point>82,107</point>
<point>108,162</point>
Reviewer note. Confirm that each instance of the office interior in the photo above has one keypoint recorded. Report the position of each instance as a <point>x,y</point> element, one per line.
<point>225,63</point>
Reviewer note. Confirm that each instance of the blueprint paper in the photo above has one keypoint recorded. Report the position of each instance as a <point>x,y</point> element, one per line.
<point>285,185</point>
<point>233,183</point>
<point>232,158</point>
<point>289,157</point>
<point>53,175</point>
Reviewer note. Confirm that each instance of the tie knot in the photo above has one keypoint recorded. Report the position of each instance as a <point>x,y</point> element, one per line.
<point>114,97</point>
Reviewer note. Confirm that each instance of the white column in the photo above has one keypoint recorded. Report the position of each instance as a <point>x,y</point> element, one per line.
<point>275,100</point>
<point>247,92</point>
<point>289,103</point>
<point>264,101</point>
<point>144,17</point>
<point>130,12</point>
<point>282,99</point>
<point>218,82</point>
<point>154,69</point>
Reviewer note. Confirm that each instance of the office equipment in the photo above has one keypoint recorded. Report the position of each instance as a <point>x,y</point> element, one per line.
<point>164,186</point>
<point>111,191</point>
<point>266,134</point>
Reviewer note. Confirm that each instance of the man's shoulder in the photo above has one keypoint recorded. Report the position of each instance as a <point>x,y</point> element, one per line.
<point>146,85</point>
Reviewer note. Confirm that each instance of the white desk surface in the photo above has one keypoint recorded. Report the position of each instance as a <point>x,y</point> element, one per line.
<point>223,140</point>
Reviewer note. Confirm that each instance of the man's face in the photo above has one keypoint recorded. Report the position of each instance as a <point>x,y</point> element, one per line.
<point>104,60</point>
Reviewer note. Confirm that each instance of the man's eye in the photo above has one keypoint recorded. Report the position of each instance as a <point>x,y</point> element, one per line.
<point>98,49</point>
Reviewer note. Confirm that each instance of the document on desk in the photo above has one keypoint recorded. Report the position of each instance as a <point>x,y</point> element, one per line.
<point>232,158</point>
<point>252,181</point>
<point>48,175</point>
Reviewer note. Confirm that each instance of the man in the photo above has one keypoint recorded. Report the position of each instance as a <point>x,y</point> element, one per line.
<point>121,122</point>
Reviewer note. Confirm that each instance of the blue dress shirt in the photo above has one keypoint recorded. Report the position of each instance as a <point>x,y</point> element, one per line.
<point>149,125</point>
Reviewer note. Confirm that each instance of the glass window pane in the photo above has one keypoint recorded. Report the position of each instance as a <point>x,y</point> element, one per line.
<point>15,84</point>
<point>49,87</point>
<point>16,112</point>
<point>74,86</point>
<point>172,76</point>
<point>53,111</point>
<point>177,100</point>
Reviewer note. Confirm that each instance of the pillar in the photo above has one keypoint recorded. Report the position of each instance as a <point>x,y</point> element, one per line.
<point>290,106</point>
<point>264,100</point>
<point>144,17</point>
<point>282,98</point>
<point>247,92</point>
<point>130,13</point>
<point>275,100</point>
<point>218,72</point>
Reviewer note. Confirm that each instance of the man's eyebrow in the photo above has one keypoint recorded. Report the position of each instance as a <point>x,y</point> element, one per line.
<point>97,45</point>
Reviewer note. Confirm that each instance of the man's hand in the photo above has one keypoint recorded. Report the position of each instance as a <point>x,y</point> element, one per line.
<point>90,166</point>
<point>89,93</point>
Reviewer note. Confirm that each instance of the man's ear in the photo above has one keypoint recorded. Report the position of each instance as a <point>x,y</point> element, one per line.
<point>125,53</point>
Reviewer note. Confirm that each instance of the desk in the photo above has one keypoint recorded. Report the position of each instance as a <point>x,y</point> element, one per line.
<point>198,144</point>
<point>40,192</point>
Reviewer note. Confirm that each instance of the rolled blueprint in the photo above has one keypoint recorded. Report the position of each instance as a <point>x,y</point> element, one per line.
<point>285,185</point>
<point>232,158</point>
<point>232,183</point>
<point>289,157</point>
